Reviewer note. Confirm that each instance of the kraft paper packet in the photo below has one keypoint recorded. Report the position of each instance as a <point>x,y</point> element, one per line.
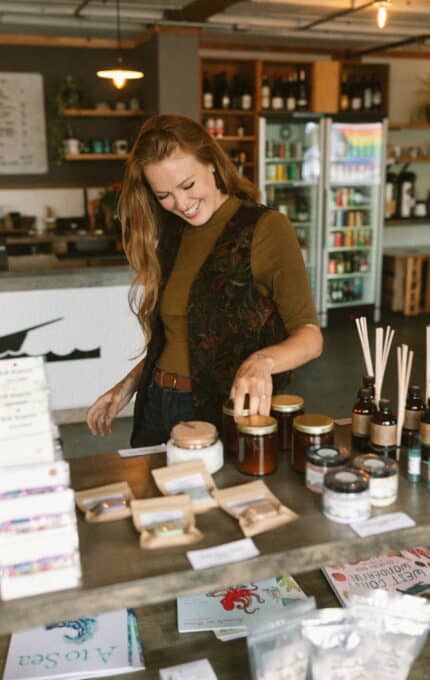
<point>165,522</point>
<point>191,478</point>
<point>254,505</point>
<point>113,494</point>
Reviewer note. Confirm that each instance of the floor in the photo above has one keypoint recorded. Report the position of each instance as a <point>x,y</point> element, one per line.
<point>328,385</point>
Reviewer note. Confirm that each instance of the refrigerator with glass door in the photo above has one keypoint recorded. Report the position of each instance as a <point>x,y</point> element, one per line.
<point>290,180</point>
<point>354,173</point>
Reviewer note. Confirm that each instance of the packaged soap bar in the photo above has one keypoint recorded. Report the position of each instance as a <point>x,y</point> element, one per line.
<point>17,480</point>
<point>254,505</point>
<point>164,522</point>
<point>191,478</point>
<point>105,503</point>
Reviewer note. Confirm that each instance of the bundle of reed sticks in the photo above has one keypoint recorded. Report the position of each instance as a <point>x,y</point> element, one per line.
<point>404,366</point>
<point>383,341</point>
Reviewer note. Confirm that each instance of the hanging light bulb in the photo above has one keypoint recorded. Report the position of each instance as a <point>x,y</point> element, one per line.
<point>119,73</point>
<point>382,12</point>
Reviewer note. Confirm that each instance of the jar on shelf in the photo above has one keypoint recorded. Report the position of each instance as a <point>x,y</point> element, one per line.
<point>285,407</point>
<point>346,495</point>
<point>383,478</point>
<point>195,439</point>
<point>229,427</point>
<point>310,431</point>
<point>257,445</point>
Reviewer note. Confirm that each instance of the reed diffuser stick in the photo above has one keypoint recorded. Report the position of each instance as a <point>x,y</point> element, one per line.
<point>361,324</point>
<point>404,367</point>
<point>383,340</point>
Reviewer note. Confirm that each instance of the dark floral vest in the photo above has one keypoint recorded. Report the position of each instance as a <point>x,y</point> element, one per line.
<point>228,318</point>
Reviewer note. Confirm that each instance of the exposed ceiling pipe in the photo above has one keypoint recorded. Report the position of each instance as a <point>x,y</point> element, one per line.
<point>80,7</point>
<point>390,46</point>
<point>336,15</point>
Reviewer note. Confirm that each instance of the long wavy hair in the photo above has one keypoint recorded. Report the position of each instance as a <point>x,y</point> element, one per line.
<point>141,215</point>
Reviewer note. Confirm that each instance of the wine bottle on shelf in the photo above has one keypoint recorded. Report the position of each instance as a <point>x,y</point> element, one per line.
<point>266,93</point>
<point>344,94</point>
<point>277,95</point>
<point>222,94</point>
<point>356,98</point>
<point>376,94</point>
<point>302,92</point>
<point>236,94</point>
<point>367,93</point>
<point>291,93</point>
<point>246,97</point>
<point>207,92</point>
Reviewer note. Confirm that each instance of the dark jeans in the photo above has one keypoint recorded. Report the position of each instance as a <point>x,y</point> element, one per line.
<point>164,408</point>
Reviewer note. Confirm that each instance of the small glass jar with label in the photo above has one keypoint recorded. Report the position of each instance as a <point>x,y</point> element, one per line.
<point>229,427</point>
<point>413,411</point>
<point>319,462</point>
<point>310,431</point>
<point>384,478</point>
<point>257,445</point>
<point>285,407</point>
<point>195,439</point>
<point>362,412</point>
<point>383,430</point>
<point>346,495</point>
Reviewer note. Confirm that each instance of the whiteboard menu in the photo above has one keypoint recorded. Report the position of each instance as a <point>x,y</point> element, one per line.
<point>22,124</point>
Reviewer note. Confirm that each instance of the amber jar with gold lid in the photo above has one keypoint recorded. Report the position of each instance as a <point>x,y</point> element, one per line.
<point>310,431</point>
<point>257,444</point>
<point>229,427</point>
<point>285,407</point>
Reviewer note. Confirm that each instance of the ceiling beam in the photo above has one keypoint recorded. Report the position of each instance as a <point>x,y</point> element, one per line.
<point>199,10</point>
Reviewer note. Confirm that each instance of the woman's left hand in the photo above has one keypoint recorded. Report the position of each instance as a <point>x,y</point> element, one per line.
<point>253,377</point>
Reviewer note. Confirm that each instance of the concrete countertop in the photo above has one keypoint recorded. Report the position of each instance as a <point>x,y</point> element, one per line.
<point>86,277</point>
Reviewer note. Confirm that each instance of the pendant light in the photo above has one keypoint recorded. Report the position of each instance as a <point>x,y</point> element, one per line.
<point>119,73</point>
<point>382,12</point>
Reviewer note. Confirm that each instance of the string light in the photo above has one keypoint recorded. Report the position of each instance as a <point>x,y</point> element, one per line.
<point>119,74</point>
<point>382,13</point>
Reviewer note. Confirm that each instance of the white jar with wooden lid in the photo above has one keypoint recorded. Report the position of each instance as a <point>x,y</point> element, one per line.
<point>195,439</point>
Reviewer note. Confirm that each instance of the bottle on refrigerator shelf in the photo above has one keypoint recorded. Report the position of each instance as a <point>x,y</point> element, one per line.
<point>302,92</point>
<point>266,93</point>
<point>207,92</point>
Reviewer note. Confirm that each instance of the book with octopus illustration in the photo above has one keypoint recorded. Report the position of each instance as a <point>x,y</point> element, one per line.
<point>407,571</point>
<point>88,647</point>
<point>240,606</point>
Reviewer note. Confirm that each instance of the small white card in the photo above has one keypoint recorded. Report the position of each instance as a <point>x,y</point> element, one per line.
<point>383,523</point>
<point>142,451</point>
<point>236,551</point>
<point>195,670</point>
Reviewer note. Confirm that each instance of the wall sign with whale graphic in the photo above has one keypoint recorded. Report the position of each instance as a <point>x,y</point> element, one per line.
<point>88,337</point>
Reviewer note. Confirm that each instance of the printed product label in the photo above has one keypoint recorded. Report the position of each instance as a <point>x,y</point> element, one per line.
<point>383,435</point>
<point>360,424</point>
<point>412,419</point>
<point>414,465</point>
<point>384,488</point>
<point>346,508</point>
<point>425,433</point>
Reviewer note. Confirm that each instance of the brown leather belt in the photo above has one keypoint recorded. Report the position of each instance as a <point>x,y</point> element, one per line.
<point>172,381</point>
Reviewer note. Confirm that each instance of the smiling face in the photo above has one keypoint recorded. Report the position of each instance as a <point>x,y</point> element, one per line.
<point>185,186</point>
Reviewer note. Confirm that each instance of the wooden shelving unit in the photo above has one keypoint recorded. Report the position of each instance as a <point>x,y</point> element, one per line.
<point>409,126</point>
<point>103,113</point>
<point>96,156</point>
<point>408,159</point>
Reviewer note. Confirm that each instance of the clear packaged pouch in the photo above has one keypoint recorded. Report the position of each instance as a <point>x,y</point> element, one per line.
<point>105,503</point>
<point>164,522</point>
<point>192,479</point>
<point>254,506</point>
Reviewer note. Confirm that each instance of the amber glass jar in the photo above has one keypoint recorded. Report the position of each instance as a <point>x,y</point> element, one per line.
<point>414,410</point>
<point>285,407</point>
<point>310,431</point>
<point>229,427</point>
<point>257,445</point>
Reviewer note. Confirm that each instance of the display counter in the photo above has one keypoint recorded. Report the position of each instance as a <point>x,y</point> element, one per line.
<point>80,320</point>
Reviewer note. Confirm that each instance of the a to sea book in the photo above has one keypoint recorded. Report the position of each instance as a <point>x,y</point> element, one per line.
<point>89,647</point>
<point>407,571</point>
<point>242,606</point>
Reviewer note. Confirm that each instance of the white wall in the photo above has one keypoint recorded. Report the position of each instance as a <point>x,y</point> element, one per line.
<point>64,202</point>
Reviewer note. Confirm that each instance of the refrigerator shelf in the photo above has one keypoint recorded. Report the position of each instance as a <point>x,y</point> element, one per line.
<point>363,226</point>
<point>363,206</point>
<point>350,275</point>
<point>349,303</point>
<point>342,249</point>
<point>353,160</point>
<point>289,183</point>
<point>353,183</point>
<point>284,160</point>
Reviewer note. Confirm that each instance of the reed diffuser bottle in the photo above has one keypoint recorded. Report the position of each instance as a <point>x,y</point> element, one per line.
<point>383,430</point>
<point>413,411</point>
<point>362,412</point>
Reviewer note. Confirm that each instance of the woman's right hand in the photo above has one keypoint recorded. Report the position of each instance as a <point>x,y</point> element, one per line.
<point>101,414</point>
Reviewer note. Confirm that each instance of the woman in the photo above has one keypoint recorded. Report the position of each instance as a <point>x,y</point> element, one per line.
<point>227,307</point>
